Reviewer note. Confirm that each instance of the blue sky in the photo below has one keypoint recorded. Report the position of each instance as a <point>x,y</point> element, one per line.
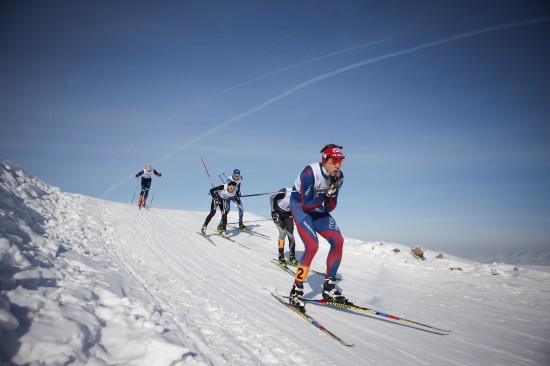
<point>442,107</point>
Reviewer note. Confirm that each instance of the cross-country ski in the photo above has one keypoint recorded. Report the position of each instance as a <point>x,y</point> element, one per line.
<point>312,321</point>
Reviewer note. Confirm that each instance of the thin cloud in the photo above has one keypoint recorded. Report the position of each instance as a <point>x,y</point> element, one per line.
<point>201,101</point>
<point>337,72</point>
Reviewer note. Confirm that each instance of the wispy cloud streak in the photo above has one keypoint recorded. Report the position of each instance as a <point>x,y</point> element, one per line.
<point>337,72</point>
<point>225,91</point>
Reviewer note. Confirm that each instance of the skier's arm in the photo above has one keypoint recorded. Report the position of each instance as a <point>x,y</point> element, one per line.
<point>272,203</point>
<point>307,191</point>
<point>273,200</point>
<point>331,202</point>
<point>275,215</point>
<point>214,191</point>
<point>158,174</point>
<point>140,173</point>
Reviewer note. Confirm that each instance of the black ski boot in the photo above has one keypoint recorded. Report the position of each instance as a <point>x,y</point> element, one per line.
<point>330,293</point>
<point>282,261</point>
<point>296,295</point>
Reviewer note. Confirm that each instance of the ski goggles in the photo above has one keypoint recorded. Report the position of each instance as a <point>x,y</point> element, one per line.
<point>336,160</point>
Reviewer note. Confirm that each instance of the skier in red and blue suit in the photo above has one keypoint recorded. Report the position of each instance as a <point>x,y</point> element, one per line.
<point>315,196</point>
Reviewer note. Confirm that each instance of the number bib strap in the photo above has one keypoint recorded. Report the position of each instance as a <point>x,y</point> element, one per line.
<point>301,273</point>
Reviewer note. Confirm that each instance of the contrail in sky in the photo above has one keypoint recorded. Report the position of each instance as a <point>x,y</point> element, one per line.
<point>102,170</point>
<point>334,73</point>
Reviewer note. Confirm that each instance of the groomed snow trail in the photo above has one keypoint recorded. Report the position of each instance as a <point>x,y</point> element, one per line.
<point>218,296</point>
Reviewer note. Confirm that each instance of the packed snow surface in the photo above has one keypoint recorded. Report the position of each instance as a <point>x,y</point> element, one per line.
<point>91,282</point>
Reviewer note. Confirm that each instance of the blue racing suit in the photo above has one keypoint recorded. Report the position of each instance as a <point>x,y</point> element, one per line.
<point>311,211</point>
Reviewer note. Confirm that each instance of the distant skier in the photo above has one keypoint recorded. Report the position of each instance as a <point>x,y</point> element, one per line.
<point>237,178</point>
<point>146,178</point>
<point>280,212</point>
<point>316,193</point>
<point>221,196</point>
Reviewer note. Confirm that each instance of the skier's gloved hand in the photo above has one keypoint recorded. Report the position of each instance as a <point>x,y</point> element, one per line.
<point>276,218</point>
<point>336,181</point>
<point>160,175</point>
<point>331,190</point>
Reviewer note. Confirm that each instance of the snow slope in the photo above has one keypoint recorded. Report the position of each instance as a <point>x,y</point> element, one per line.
<point>92,282</point>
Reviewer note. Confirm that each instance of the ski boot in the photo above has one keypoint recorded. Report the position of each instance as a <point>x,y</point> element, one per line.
<point>140,203</point>
<point>330,293</point>
<point>222,231</point>
<point>203,230</point>
<point>282,261</point>
<point>293,261</point>
<point>242,226</point>
<point>296,295</point>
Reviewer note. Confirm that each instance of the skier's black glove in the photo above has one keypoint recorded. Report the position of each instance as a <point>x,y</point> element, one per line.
<point>336,181</point>
<point>331,190</point>
<point>276,218</point>
<point>335,184</point>
<point>160,175</point>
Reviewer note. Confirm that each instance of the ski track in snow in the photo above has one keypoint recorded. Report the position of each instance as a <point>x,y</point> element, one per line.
<point>216,309</point>
<point>139,275</point>
<point>170,260</point>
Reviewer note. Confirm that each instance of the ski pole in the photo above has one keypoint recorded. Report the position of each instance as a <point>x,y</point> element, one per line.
<point>134,196</point>
<point>153,197</point>
<point>223,182</point>
<point>233,223</point>
<point>207,172</point>
<point>261,194</point>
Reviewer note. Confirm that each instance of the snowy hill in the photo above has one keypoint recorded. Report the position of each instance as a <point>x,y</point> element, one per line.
<point>92,282</point>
